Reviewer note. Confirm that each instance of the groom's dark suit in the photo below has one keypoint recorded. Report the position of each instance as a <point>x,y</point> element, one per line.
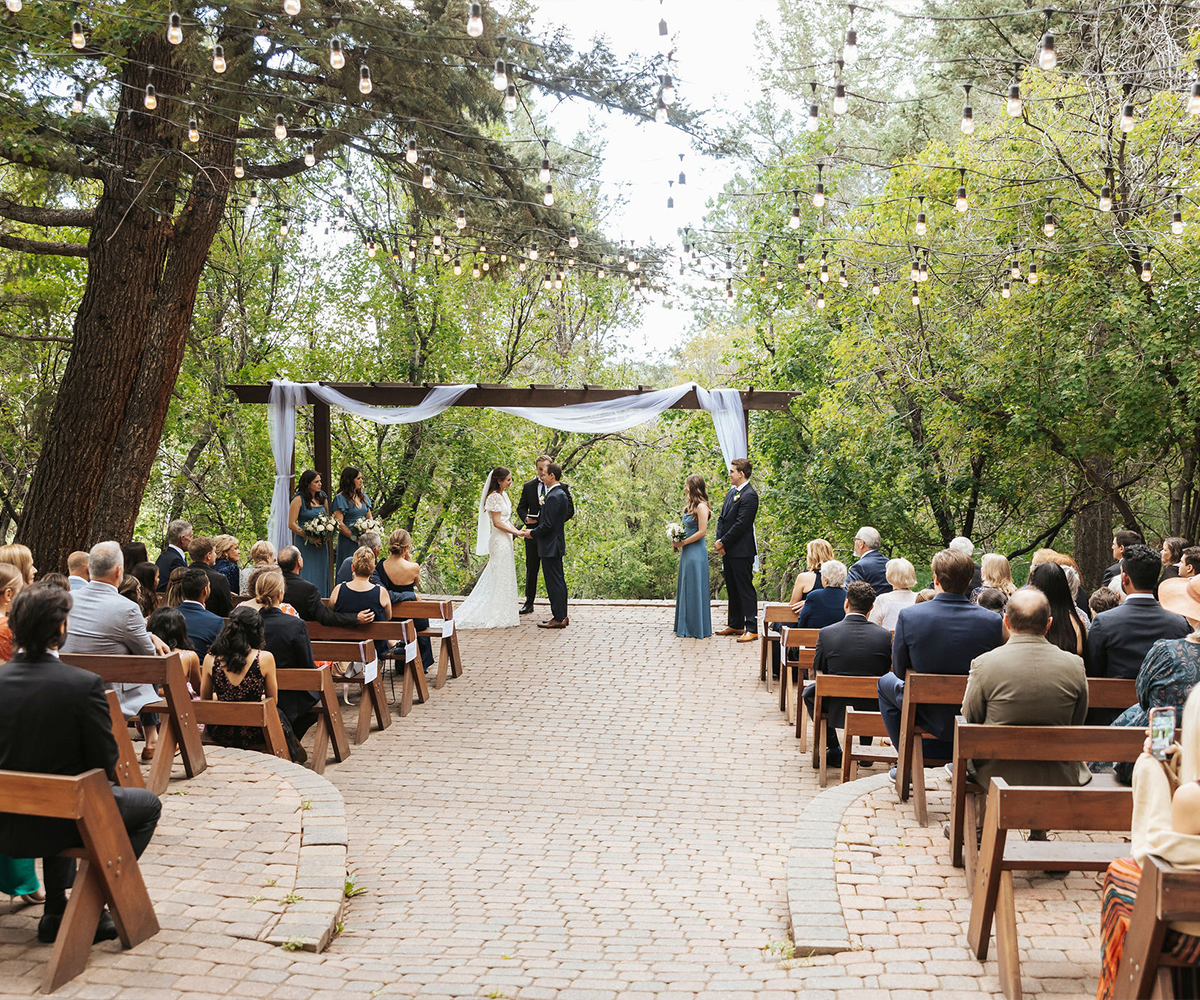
<point>551,545</point>
<point>530,506</point>
<point>735,531</point>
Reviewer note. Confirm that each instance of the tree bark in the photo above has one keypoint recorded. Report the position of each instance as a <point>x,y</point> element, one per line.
<point>1093,542</point>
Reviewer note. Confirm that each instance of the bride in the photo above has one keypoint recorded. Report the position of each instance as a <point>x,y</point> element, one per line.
<point>493,603</point>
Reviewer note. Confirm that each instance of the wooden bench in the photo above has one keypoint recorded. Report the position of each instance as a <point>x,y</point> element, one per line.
<point>108,873</point>
<point>794,674</point>
<point>767,639</point>
<point>127,772</point>
<point>840,686</point>
<point>329,726</point>
<point>1112,692</point>
<point>922,689</point>
<point>1164,895</point>
<point>1052,743</point>
<point>179,728</point>
<point>449,656</point>
<point>1012,807</point>
<point>254,714</point>
<point>864,724</point>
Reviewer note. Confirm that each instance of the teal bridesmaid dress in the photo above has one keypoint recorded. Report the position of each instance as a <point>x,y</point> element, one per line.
<point>316,556</point>
<point>350,514</point>
<point>693,610</point>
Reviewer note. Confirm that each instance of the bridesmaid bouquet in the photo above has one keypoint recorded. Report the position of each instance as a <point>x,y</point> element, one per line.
<point>365,524</point>
<point>321,527</point>
<point>676,532</point>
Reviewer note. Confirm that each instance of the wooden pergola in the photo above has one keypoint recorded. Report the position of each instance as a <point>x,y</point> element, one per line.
<point>541,396</point>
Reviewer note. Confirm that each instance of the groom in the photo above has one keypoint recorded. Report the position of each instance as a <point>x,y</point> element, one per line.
<point>736,546</point>
<point>551,543</point>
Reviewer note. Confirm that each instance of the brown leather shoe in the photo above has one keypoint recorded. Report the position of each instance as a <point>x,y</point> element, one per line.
<point>555,624</point>
<point>730,630</point>
<point>748,637</point>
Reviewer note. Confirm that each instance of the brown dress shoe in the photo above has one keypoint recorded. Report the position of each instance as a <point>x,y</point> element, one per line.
<point>555,624</point>
<point>748,637</point>
<point>730,630</point>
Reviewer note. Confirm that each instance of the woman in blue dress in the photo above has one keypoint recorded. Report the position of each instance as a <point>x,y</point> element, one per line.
<point>693,599</point>
<point>310,501</point>
<point>350,505</point>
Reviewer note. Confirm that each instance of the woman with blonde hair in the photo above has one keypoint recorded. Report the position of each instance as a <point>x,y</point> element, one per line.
<point>22,558</point>
<point>997,573</point>
<point>693,592</point>
<point>816,552</point>
<point>902,575</point>
<point>11,583</point>
<point>173,595</point>
<point>262,554</point>
<point>400,574</point>
<point>225,547</point>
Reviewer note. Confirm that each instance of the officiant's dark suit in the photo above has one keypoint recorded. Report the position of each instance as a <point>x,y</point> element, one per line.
<point>551,546</point>
<point>735,531</point>
<point>528,513</point>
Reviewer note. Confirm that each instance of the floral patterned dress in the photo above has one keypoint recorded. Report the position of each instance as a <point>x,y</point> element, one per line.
<point>251,688</point>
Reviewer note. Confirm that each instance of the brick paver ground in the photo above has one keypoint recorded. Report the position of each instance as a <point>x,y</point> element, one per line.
<point>590,814</point>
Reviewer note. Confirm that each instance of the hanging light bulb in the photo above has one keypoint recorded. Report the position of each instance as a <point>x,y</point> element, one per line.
<point>218,64</point>
<point>916,296</point>
<point>839,99</point>
<point>150,100</point>
<point>1033,273</point>
<point>174,29</point>
<point>1127,117</point>
<point>364,80</point>
<point>533,251</point>
<point>1193,104</point>
<point>310,156</point>
<point>1106,202</point>
<point>850,49</point>
<point>682,179</point>
<point>875,289</point>
<point>1177,218</point>
<point>1015,267</point>
<point>922,226</point>
<point>475,20</point>
<point>1147,274</point>
<point>437,239</point>
<point>79,40</point>
<point>820,298</point>
<point>1048,224</point>
<point>427,177</point>
<point>254,197</point>
<point>660,113</point>
<point>824,275</point>
<point>818,198</point>
<point>544,173</point>
<point>291,7</point>
<point>485,266</point>
<point>914,272</point>
<point>960,199</point>
<point>558,279</point>
<point>500,76</point>
<point>412,155</point>
<point>77,103</point>
<point>14,6</point>
<point>794,221</point>
<point>239,167</point>
<point>284,228</point>
<point>842,279</point>
<point>193,131</point>
<point>548,197</point>
<point>1013,106</point>
<point>510,98</point>
<point>280,128</point>
<point>807,288</point>
<point>967,126</point>
<point>572,238</point>
<point>814,112</point>
<point>372,248</point>
<point>460,220</point>
<point>475,272</point>
<point>668,90</point>
<point>1048,58</point>
<point>1005,290</point>
<point>923,270</point>
<point>337,58</point>
<point>547,282</point>
<point>457,266</point>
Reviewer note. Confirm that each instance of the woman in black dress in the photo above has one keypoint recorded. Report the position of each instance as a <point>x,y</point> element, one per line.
<point>360,594</point>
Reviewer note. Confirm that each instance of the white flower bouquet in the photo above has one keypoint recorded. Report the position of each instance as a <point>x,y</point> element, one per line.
<point>321,528</point>
<point>365,524</point>
<point>676,532</point>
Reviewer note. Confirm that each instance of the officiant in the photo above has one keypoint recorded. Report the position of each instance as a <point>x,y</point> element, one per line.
<point>533,496</point>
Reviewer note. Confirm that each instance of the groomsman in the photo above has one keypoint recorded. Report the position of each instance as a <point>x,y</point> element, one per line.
<point>533,496</point>
<point>736,546</point>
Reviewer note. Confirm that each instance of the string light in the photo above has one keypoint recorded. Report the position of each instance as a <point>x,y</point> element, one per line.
<point>818,198</point>
<point>1015,270</point>
<point>1005,290</point>
<point>219,65</point>
<point>839,99</point>
<point>1033,272</point>
<point>372,248</point>
<point>814,112</point>
<point>960,200</point>
<point>510,98</point>
<point>547,282</point>
<point>14,6</point>
<point>254,197</point>
<point>533,251</point>
<point>668,89</point>
<point>337,58</point>
<point>150,99</point>
<point>1048,58</point>
<point>1013,105</point>
<point>1147,273</point>
<point>914,272</point>
<point>1177,218</point>
<point>967,127</point>
<point>682,180</point>
<point>842,279</point>
<point>174,29</point>
<point>923,270</point>
<point>475,20</point>
<point>460,220</point>
<point>660,113</point>
<point>427,177</point>
<point>875,289</point>
<point>558,279</point>
<point>850,49</point>
<point>310,156</point>
<point>77,103</point>
<point>548,197</point>
<point>284,228</point>
<point>239,167</point>
<point>1048,220</point>
<point>193,131</point>
<point>475,272</point>
<point>572,238</point>
<point>1127,110</point>
<point>412,154</point>
<point>280,128</point>
<point>823,277</point>
<point>1106,191</point>
<point>500,76</point>
<point>78,39</point>
<point>291,7</point>
<point>916,295</point>
<point>544,173</point>
<point>922,226</point>
<point>364,80</point>
<point>437,239</point>
<point>820,298</point>
<point>457,266</point>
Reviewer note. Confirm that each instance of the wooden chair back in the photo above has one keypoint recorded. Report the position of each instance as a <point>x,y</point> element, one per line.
<point>863,724</point>
<point>772,614</point>
<point>834,686</point>
<point>108,873</point>
<point>793,677</point>
<point>261,715</point>
<point>128,774</point>
<point>449,657</point>
<point>1164,895</point>
<point>180,729</point>
<point>921,689</point>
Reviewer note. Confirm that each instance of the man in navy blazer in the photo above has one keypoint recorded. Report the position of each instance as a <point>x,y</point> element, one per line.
<point>941,636</point>
<point>174,553</point>
<point>552,544</point>
<point>202,624</point>
<point>872,564</point>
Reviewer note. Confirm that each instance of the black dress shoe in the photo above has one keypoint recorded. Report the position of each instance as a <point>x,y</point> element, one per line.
<point>48,927</point>
<point>526,609</point>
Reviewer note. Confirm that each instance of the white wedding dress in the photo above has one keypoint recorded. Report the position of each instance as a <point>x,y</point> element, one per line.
<point>493,603</point>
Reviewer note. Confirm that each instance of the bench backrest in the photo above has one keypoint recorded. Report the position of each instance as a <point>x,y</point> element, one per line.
<point>423,609</point>
<point>1054,743</point>
<point>1053,807</point>
<point>128,668</point>
<point>846,686</point>
<point>346,652</point>
<point>805,638</point>
<point>396,631</point>
<point>934,689</point>
<point>56,796</point>
<point>1112,692</point>
<point>778,613</point>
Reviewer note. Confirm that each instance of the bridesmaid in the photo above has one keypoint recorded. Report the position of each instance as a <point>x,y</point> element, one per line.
<point>693,611</point>
<point>350,505</point>
<point>310,501</point>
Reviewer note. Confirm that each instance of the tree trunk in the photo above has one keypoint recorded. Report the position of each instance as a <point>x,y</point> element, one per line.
<point>126,250</point>
<point>1093,542</point>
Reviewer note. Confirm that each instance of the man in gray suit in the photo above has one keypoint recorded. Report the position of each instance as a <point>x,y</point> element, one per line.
<point>1027,682</point>
<point>102,621</point>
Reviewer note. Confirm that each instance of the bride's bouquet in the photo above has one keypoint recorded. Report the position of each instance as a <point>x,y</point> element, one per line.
<point>676,532</point>
<point>365,524</point>
<point>321,528</point>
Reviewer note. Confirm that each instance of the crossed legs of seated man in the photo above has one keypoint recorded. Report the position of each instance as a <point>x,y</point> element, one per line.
<point>139,809</point>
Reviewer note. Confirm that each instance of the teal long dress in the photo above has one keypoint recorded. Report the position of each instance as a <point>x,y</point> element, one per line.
<point>350,514</point>
<point>693,610</point>
<point>315,555</point>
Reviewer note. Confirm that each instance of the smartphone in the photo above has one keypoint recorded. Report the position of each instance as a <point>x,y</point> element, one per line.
<point>1162,731</point>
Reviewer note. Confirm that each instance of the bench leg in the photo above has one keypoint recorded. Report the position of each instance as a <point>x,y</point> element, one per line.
<point>820,748</point>
<point>443,663</point>
<point>363,728</point>
<point>74,941</point>
<point>422,684</point>
<point>987,878</point>
<point>378,699</point>
<point>164,757</point>
<point>849,764</point>
<point>1007,954</point>
<point>918,782</point>
<point>968,833</point>
<point>318,758</point>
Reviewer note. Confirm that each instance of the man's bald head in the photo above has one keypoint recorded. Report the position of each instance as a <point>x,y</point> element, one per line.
<point>1027,612</point>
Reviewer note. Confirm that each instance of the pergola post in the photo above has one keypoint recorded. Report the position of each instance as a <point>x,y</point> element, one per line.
<point>323,446</point>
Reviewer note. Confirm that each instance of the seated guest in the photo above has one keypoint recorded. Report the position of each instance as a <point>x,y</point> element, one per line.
<point>852,647</point>
<point>872,564</point>
<point>286,638</point>
<point>239,668</point>
<point>129,588</point>
<point>77,571</point>
<point>990,598</point>
<point>400,573</point>
<point>1121,539</point>
<point>146,574</point>
<point>967,548</point>
<point>171,627</point>
<point>361,594</point>
<point>1171,555</point>
<point>54,720</point>
<point>204,555</point>
<point>369,540</point>
<point>1119,639</point>
<point>995,572</point>
<point>816,553</point>
<point>1103,599</point>
<point>19,556</point>
<point>262,553</point>
<point>306,599</point>
<point>928,594</point>
<point>225,548</point>
<point>102,621</point>
<point>1027,682</point>
<point>10,585</point>
<point>1166,823</point>
<point>173,595</point>
<point>56,580</point>
<point>827,605</point>
<point>133,553</point>
<point>941,636</point>
<point>174,553</point>
<point>903,577</point>
<point>202,625</point>
<point>1068,631</point>
<point>1189,563</point>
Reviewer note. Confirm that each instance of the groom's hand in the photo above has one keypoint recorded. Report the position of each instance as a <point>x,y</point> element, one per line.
<point>719,548</point>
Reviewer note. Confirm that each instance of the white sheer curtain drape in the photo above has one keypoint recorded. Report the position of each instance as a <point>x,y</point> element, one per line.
<point>606,416</point>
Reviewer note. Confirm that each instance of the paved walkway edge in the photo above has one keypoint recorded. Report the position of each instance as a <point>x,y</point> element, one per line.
<point>309,923</point>
<point>818,926</point>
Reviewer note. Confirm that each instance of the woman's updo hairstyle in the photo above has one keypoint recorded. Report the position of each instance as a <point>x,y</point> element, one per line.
<point>399,542</point>
<point>362,563</point>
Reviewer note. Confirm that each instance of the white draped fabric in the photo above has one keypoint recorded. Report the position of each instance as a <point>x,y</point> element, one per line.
<point>603,417</point>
